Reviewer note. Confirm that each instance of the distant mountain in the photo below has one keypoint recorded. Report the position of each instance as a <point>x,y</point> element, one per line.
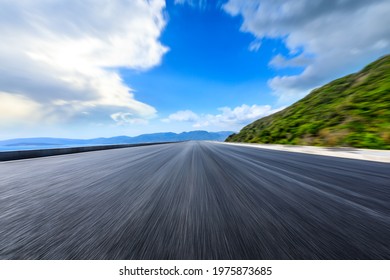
<point>144,138</point>
<point>350,111</point>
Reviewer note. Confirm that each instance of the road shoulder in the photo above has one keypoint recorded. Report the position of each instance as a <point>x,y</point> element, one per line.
<point>352,153</point>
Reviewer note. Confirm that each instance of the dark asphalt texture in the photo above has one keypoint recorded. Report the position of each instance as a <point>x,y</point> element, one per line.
<point>194,200</point>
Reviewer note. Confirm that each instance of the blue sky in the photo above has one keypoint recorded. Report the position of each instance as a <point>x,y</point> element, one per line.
<point>208,65</point>
<point>84,69</point>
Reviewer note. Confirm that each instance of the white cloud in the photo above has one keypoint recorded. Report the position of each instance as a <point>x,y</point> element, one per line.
<point>254,46</point>
<point>193,3</point>
<point>336,37</point>
<point>228,118</point>
<point>182,116</point>
<point>127,118</point>
<point>279,61</point>
<point>15,108</point>
<point>237,117</point>
<point>61,56</point>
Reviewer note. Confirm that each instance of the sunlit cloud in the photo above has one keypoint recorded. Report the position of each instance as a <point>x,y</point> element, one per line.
<point>60,59</point>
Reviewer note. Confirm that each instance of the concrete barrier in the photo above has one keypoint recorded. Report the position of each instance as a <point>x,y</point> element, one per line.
<point>25,154</point>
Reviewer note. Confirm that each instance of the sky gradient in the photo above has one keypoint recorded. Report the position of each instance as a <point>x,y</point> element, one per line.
<point>85,69</point>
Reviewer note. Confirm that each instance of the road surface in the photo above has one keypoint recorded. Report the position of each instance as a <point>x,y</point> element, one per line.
<point>194,200</point>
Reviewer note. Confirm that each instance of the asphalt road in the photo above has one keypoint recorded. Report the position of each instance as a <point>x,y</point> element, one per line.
<point>194,200</point>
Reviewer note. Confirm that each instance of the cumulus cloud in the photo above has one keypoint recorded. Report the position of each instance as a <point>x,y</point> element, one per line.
<point>279,61</point>
<point>328,37</point>
<point>61,57</point>
<point>127,118</point>
<point>182,116</point>
<point>228,118</point>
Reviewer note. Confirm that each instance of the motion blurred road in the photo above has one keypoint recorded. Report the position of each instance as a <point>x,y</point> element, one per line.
<point>194,200</point>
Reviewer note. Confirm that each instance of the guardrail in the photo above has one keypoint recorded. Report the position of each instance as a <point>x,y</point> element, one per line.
<point>25,154</point>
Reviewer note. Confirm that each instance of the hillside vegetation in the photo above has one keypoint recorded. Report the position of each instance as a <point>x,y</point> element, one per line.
<point>352,111</point>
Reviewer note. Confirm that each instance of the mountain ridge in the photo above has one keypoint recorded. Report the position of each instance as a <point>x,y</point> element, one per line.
<point>152,137</point>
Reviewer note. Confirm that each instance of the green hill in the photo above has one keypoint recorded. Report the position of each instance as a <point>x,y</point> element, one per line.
<point>351,111</point>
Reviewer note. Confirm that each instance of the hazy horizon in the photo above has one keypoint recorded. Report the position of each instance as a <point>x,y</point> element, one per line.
<point>158,132</point>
